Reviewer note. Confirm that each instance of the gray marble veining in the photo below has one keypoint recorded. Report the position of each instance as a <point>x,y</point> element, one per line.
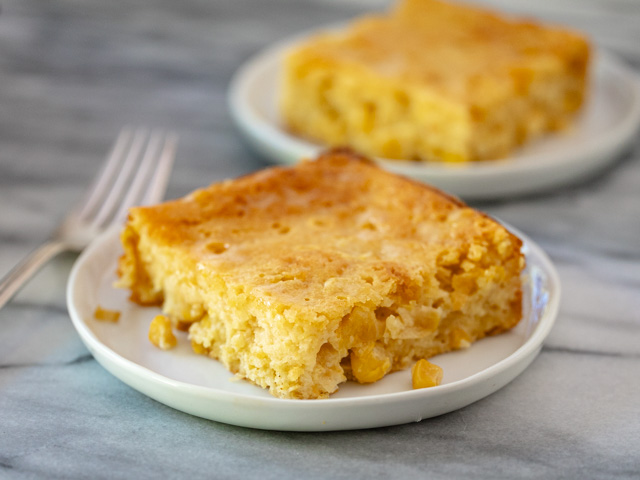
<point>72,72</point>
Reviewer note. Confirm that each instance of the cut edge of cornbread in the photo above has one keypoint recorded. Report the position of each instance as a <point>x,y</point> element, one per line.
<point>300,278</point>
<point>434,81</point>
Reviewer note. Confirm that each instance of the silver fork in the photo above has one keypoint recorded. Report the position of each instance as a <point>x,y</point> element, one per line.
<point>135,173</point>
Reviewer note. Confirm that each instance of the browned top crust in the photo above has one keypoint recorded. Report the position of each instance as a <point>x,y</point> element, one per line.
<point>324,235</point>
<point>453,48</point>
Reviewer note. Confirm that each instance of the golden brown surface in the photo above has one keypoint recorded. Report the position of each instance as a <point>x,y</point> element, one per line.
<point>297,278</point>
<point>435,81</point>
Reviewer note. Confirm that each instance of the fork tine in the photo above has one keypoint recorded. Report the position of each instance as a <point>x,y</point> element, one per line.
<point>123,178</point>
<point>97,191</point>
<point>158,184</point>
<point>142,178</point>
<point>80,227</point>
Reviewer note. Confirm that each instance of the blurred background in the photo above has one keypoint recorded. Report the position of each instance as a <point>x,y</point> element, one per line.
<point>74,71</point>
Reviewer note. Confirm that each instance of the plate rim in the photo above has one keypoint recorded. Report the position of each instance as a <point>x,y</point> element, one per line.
<point>281,147</point>
<point>116,364</point>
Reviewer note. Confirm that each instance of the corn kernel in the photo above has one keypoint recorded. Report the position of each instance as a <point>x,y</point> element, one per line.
<point>105,315</point>
<point>425,374</point>
<point>183,325</point>
<point>198,348</point>
<point>460,338</point>
<point>192,312</point>
<point>160,333</point>
<point>357,328</point>
<point>476,252</point>
<point>369,364</point>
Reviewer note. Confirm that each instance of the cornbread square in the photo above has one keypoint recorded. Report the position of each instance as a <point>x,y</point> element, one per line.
<point>299,278</point>
<point>434,81</point>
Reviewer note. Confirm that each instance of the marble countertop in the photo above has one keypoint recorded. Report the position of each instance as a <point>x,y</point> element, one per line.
<point>72,72</point>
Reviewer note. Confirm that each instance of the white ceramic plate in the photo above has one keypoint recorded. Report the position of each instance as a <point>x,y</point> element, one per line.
<point>605,127</point>
<point>203,387</point>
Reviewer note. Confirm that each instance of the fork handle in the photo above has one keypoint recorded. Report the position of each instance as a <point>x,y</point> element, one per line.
<point>22,272</point>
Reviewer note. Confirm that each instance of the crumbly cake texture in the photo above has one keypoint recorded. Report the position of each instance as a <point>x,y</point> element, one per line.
<point>435,81</point>
<point>300,278</point>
